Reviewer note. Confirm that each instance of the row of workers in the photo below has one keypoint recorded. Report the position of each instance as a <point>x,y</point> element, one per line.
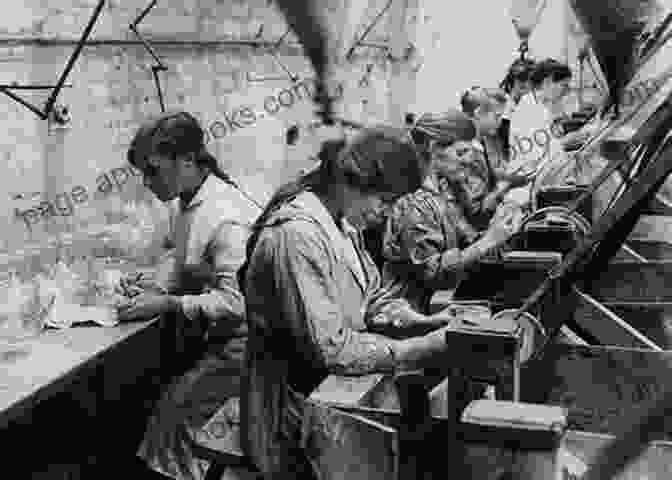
<point>287,293</point>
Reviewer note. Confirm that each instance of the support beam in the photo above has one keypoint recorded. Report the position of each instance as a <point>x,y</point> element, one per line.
<point>632,255</point>
<point>633,282</point>
<point>653,228</point>
<point>652,251</point>
<point>654,320</point>
<point>606,327</point>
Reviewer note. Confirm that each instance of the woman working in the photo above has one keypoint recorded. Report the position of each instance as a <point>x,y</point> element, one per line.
<point>313,295</point>
<point>485,108</point>
<point>429,242</point>
<point>210,223</point>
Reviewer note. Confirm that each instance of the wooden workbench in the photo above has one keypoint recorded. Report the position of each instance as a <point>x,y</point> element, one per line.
<point>47,364</point>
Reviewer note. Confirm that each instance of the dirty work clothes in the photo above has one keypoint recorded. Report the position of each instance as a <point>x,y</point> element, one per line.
<point>313,298</point>
<point>471,180</point>
<point>211,230</point>
<point>424,237</point>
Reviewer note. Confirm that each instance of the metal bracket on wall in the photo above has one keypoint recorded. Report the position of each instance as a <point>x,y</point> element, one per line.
<point>7,89</point>
<point>48,110</point>
<point>360,41</point>
<point>159,66</point>
<point>291,76</point>
<point>365,81</point>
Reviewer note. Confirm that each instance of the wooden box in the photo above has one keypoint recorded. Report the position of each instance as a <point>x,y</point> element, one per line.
<point>522,439</point>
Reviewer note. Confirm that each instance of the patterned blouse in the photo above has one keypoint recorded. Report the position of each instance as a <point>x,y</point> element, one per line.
<point>425,234</point>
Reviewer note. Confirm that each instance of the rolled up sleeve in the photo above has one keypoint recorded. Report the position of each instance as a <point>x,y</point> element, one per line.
<point>312,306</point>
<point>424,241</point>
<point>224,300</point>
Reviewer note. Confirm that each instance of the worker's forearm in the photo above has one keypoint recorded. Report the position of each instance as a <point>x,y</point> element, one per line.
<point>474,252</point>
<point>414,353</point>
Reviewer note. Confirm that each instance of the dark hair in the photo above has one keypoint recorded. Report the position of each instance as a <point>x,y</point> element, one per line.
<point>419,137</point>
<point>479,97</point>
<point>557,71</point>
<point>520,70</point>
<point>172,134</point>
<point>380,159</point>
<point>446,127</point>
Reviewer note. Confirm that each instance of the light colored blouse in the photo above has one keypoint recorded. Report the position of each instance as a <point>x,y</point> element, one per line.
<point>212,229</point>
<point>313,298</point>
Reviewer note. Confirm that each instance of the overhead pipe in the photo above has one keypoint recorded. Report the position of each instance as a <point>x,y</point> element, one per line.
<point>73,58</point>
<point>63,42</point>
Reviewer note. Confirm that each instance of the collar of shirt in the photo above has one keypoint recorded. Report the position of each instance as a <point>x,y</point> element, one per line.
<point>431,183</point>
<point>338,232</point>
<point>202,194</point>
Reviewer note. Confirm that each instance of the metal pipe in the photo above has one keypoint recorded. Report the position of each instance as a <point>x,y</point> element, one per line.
<point>370,27</point>
<point>26,104</point>
<point>157,83</point>
<point>30,87</point>
<point>73,58</point>
<point>116,42</point>
<point>147,46</point>
<point>144,13</point>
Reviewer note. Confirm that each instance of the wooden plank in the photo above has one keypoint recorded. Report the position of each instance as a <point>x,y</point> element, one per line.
<point>344,446</point>
<point>606,327</point>
<point>654,320</point>
<point>652,251</point>
<point>49,363</point>
<point>341,390</point>
<point>631,254</point>
<point>632,282</point>
<point>653,228</point>
<point>600,386</point>
<point>583,447</point>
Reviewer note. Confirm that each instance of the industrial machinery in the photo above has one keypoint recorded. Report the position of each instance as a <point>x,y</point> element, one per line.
<point>576,344</point>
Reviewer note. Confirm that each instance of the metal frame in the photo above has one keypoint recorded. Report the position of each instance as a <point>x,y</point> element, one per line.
<point>291,76</point>
<point>159,66</point>
<point>360,40</point>
<point>48,109</point>
<point>556,293</point>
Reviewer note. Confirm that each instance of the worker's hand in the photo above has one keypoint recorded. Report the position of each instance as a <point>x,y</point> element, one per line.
<point>464,315</point>
<point>146,306</point>
<point>127,288</point>
<point>491,201</point>
<point>504,225</point>
<point>444,318</point>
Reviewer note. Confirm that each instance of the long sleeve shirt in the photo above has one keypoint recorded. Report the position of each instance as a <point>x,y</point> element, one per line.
<point>313,295</point>
<point>423,244</point>
<point>210,234</point>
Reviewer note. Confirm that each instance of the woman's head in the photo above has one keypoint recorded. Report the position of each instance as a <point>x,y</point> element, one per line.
<point>551,79</point>
<point>169,150</point>
<point>485,107</point>
<point>446,138</point>
<point>375,168</point>
<point>518,80</point>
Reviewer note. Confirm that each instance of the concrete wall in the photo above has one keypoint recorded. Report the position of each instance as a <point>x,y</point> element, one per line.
<point>112,89</point>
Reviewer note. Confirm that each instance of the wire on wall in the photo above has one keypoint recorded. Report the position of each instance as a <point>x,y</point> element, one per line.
<point>273,51</point>
<point>49,112</point>
<point>159,66</point>
<point>360,41</point>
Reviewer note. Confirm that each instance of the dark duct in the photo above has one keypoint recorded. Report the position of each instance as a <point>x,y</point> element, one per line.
<point>614,28</point>
<point>302,16</point>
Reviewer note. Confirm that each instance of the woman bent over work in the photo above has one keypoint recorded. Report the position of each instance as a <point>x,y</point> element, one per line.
<point>430,241</point>
<point>210,224</point>
<point>314,298</point>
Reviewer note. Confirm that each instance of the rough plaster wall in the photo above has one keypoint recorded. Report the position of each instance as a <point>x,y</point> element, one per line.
<point>113,89</point>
